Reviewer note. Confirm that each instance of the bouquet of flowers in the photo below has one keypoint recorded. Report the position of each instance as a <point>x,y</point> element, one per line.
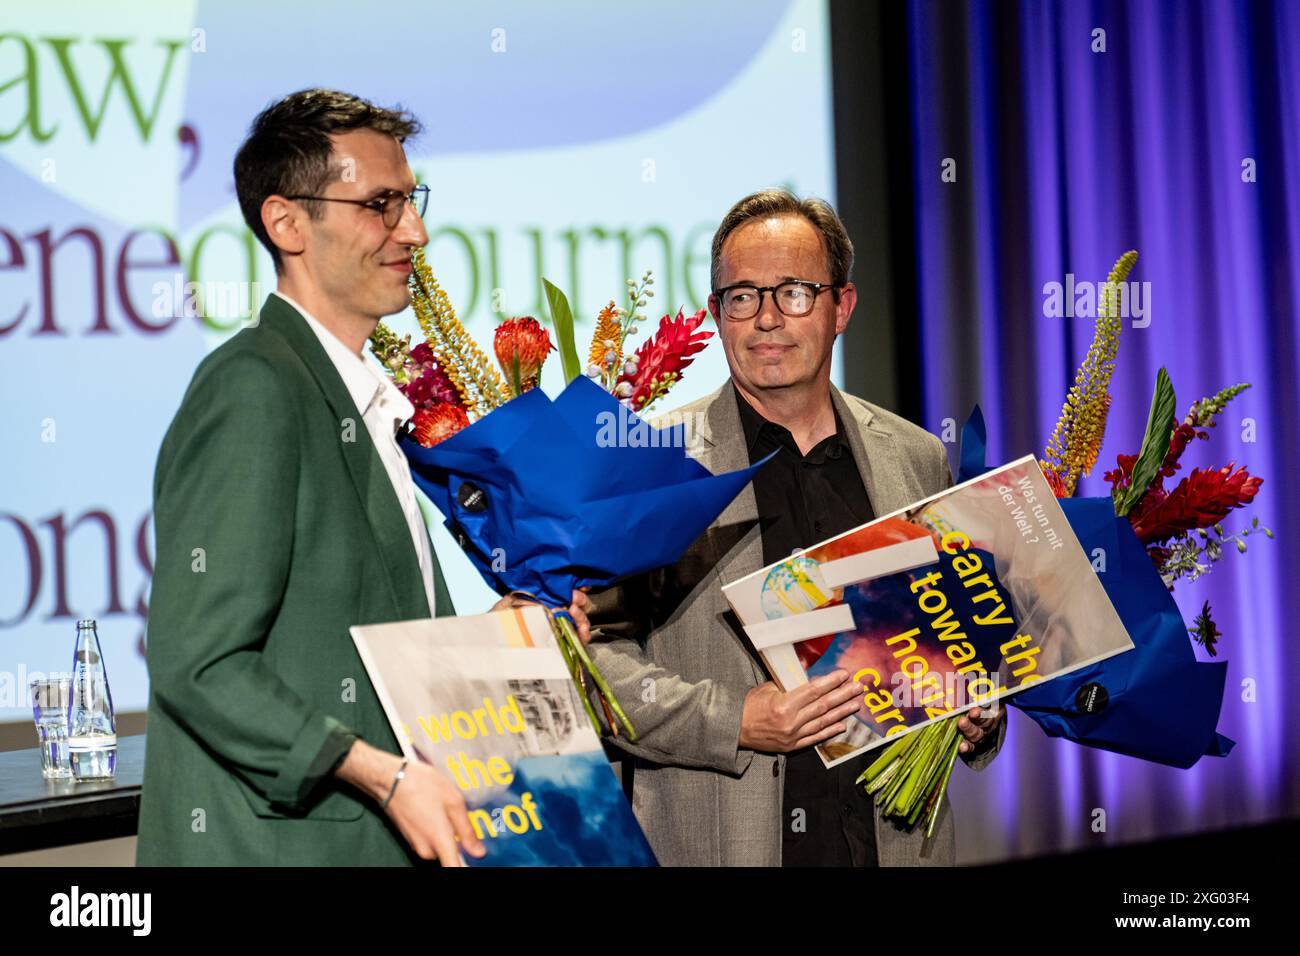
<point>536,492</point>
<point>451,382</point>
<point>1155,702</point>
<point>1171,524</point>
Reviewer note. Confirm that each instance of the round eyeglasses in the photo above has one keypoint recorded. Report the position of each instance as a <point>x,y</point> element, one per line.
<point>390,205</point>
<point>793,299</point>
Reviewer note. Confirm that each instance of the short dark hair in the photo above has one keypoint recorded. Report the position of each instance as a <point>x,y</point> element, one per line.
<point>781,202</point>
<point>288,149</point>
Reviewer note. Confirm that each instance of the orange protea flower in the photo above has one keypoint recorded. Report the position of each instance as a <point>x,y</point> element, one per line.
<point>607,338</point>
<point>522,345</point>
<point>437,423</point>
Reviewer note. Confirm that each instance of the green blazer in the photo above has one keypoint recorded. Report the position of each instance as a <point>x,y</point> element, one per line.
<point>277,528</point>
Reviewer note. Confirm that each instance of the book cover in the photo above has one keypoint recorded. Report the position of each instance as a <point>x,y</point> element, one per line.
<point>487,699</point>
<point>961,599</point>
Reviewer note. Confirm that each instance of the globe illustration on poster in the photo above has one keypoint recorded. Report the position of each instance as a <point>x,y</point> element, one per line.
<point>792,587</point>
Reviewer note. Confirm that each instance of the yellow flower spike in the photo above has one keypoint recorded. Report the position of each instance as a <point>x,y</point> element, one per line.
<point>1076,440</point>
<point>474,376</point>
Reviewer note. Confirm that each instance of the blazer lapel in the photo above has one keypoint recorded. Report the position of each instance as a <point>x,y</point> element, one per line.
<point>720,448</point>
<point>872,445</point>
<point>373,486</point>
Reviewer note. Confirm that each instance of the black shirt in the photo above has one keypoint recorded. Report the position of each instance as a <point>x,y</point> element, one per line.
<point>803,500</point>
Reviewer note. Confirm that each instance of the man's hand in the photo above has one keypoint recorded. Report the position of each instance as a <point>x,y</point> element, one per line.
<point>427,807</point>
<point>577,610</point>
<point>776,722</point>
<point>976,725</point>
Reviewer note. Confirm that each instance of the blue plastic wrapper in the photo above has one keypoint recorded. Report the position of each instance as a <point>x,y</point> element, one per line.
<point>1155,702</point>
<point>546,496</point>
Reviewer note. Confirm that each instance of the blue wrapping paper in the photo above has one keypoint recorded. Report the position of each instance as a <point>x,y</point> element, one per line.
<point>1162,704</point>
<point>566,498</point>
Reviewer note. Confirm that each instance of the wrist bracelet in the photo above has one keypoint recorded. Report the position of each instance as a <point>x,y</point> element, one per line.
<point>401,772</point>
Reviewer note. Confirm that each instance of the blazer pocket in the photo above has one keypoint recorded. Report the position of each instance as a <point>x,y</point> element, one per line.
<point>334,805</point>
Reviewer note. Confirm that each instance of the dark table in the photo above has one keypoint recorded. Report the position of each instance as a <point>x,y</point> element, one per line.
<point>36,813</point>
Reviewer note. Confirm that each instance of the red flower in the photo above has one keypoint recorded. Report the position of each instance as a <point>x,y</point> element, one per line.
<point>1201,499</point>
<point>1055,482</point>
<point>523,340</point>
<point>1179,439</point>
<point>670,351</point>
<point>1121,476</point>
<point>437,423</point>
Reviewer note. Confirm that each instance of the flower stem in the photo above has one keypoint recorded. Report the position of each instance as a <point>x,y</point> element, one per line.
<point>575,647</point>
<point>909,779</point>
<point>575,671</point>
<point>942,789</point>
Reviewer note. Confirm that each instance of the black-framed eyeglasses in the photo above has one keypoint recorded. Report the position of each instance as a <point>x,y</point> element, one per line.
<point>390,205</point>
<point>794,299</point>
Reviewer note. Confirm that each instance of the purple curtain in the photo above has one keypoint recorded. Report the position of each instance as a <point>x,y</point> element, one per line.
<point>1175,132</point>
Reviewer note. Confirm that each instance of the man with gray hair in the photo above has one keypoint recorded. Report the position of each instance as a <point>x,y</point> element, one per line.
<point>723,771</point>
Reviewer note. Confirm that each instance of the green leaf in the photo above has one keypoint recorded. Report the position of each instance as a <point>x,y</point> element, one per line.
<point>1160,426</point>
<point>562,319</point>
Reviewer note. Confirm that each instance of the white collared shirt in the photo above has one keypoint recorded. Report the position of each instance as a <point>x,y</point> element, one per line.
<point>383,407</point>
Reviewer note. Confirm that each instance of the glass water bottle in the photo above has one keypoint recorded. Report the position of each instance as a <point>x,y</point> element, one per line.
<point>92,732</point>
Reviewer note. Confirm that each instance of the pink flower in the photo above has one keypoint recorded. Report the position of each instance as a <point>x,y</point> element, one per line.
<point>429,383</point>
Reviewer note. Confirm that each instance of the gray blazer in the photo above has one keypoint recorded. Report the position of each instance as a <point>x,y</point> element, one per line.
<point>681,669</point>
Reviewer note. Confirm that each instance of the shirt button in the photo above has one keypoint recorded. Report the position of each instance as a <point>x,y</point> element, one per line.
<point>848,809</point>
